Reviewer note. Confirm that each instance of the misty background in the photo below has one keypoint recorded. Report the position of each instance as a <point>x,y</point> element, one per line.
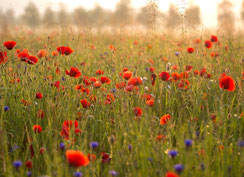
<point>149,16</point>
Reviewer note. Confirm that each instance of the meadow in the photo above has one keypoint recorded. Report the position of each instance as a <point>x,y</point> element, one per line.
<point>80,104</point>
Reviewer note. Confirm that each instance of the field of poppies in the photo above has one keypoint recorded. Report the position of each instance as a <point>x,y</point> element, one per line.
<point>79,104</point>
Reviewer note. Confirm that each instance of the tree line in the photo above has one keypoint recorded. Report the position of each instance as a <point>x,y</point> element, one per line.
<point>123,15</point>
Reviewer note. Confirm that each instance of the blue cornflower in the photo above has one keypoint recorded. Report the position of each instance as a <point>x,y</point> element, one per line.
<point>113,173</point>
<point>173,153</point>
<point>129,147</point>
<point>29,173</point>
<point>113,90</point>
<point>6,108</point>
<point>179,168</point>
<point>241,143</point>
<point>15,147</point>
<point>17,163</point>
<point>197,133</point>
<point>177,53</point>
<point>62,146</point>
<point>149,159</point>
<point>147,69</point>
<point>77,174</point>
<point>94,144</point>
<point>188,142</point>
<point>63,78</point>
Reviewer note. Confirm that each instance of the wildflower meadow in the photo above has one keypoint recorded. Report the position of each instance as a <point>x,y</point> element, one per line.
<point>79,104</point>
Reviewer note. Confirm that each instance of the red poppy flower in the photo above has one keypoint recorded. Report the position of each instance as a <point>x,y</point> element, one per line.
<point>151,69</point>
<point>97,84</point>
<point>147,97</point>
<point>202,72</point>
<point>164,119</point>
<point>3,57</point>
<point>56,84</point>
<point>93,79</point>
<point>41,53</point>
<point>32,60</point>
<point>68,51</point>
<point>76,158</point>
<point>55,53</point>
<point>175,76</point>
<point>37,128</point>
<point>78,131</point>
<point>214,38</point>
<point>99,72</point>
<point>184,84</point>
<point>137,111</point>
<point>134,81</point>
<point>150,103</point>
<point>105,80</point>
<point>28,164</point>
<point>208,75</point>
<point>174,67</point>
<point>70,123</point>
<point>188,68</point>
<point>23,55</point>
<point>61,49</point>
<point>208,44</point>
<point>85,103</point>
<point>111,47</point>
<point>121,85</point>
<point>9,44</point>
<point>196,72</point>
<point>40,114</point>
<point>153,78</point>
<point>39,95</point>
<point>127,75</point>
<point>105,157</point>
<point>42,150</point>
<point>65,132</point>
<point>227,83</point>
<point>164,76</point>
<point>197,41</point>
<point>91,157</point>
<point>171,174</point>
<point>124,69</point>
<point>74,72</point>
<point>184,75</point>
<point>190,50</point>
<point>85,90</point>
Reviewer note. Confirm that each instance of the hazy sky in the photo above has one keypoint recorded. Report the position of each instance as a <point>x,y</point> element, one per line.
<point>208,7</point>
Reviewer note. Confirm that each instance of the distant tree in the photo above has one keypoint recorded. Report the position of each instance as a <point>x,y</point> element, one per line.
<point>242,12</point>
<point>99,16</point>
<point>173,19</point>
<point>49,18</point>
<point>7,18</point>
<point>63,17</point>
<point>81,17</point>
<point>192,16</point>
<point>31,15</point>
<point>149,17</point>
<point>123,13</point>
<point>226,17</point>
<point>142,17</point>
